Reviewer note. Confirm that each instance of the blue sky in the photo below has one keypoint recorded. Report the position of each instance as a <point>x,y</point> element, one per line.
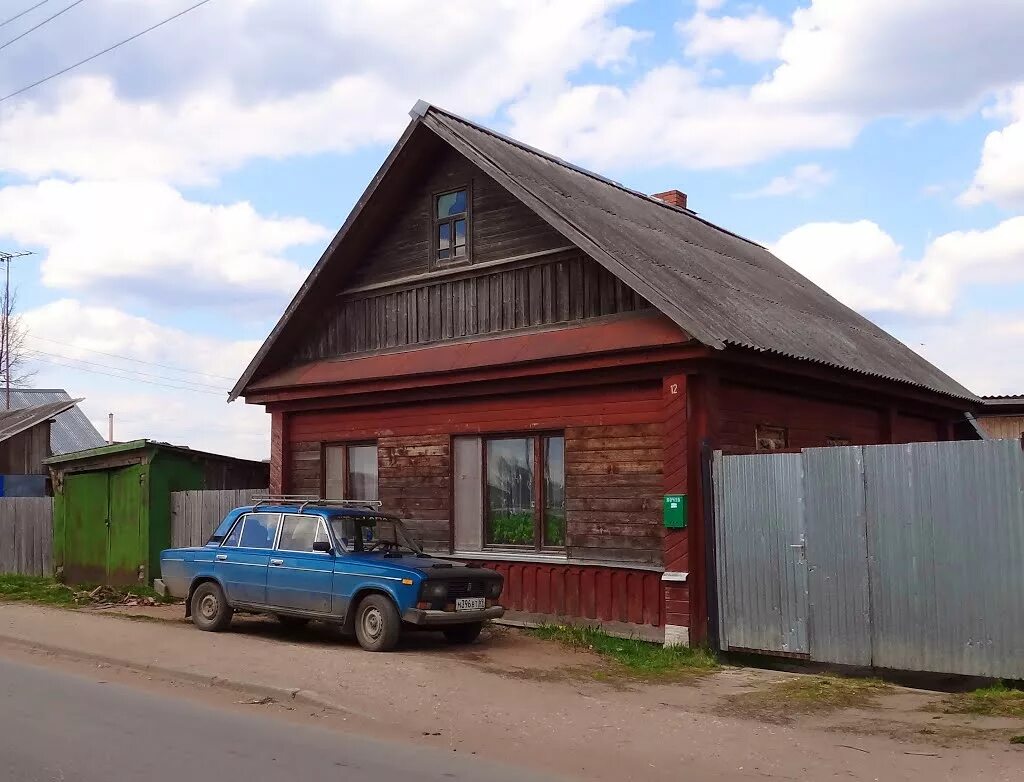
<point>176,191</point>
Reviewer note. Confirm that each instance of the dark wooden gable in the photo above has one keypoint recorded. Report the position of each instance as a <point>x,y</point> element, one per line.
<point>501,227</point>
<point>521,273</point>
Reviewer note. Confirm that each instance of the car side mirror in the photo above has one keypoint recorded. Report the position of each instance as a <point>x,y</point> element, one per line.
<point>323,547</point>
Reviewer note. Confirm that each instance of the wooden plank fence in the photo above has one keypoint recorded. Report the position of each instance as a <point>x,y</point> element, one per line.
<point>26,536</point>
<point>196,514</point>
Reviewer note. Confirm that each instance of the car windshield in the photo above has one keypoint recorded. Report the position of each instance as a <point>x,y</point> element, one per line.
<point>363,534</point>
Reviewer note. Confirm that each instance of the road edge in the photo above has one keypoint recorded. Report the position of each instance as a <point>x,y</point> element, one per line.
<point>280,694</point>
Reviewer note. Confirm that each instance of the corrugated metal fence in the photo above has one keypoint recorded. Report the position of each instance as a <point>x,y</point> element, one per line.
<point>26,536</point>
<point>907,557</point>
<point>196,514</point>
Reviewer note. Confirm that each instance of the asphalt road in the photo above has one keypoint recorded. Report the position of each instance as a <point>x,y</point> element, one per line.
<point>60,727</point>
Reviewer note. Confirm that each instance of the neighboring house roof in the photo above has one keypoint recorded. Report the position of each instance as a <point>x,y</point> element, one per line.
<point>1002,405</point>
<point>145,444</point>
<point>14,422</point>
<point>718,287</point>
<point>71,430</point>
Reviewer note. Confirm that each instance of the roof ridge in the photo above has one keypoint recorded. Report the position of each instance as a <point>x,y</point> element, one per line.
<point>421,108</point>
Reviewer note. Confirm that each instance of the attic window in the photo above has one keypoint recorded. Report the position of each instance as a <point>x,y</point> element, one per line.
<point>771,438</point>
<point>451,226</point>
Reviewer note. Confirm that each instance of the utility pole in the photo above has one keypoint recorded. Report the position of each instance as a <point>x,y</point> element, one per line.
<point>5,323</point>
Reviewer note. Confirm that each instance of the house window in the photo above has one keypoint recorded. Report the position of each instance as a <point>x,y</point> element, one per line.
<point>350,471</point>
<point>451,226</point>
<point>837,441</point>
<point>510,492</point>
<point>524,502</point>
<point>771,438</point>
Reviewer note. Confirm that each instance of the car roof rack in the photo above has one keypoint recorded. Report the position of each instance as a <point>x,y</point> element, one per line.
<point>306,500</point>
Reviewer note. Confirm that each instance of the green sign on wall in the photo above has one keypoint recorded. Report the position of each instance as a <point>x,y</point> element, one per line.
<point>674,511</point>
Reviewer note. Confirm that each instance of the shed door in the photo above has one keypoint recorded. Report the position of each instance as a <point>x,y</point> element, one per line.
<point>85,530</point>
<point>124,544</point>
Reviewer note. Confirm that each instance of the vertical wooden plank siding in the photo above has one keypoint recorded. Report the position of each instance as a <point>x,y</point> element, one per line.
<point>488,301</point>
<point>26,536</point>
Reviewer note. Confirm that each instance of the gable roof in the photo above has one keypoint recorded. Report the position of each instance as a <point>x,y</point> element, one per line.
<point>720,288</point>
<point>71,430</point>
<point>14,422</point>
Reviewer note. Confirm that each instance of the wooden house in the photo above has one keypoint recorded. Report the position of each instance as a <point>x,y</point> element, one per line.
<point>1002,417</point>
<point>25,436</point>
<point>523,358</point>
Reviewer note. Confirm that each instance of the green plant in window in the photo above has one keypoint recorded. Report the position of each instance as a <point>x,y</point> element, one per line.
<point>554,527</point>
<point>512,529</point>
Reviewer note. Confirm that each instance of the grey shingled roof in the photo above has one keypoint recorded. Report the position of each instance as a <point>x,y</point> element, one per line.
<point>720,288</point>
<point>13,422</point>
<point>71,430</point>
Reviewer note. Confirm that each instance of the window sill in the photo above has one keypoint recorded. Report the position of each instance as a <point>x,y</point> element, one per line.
<point>551,559</point>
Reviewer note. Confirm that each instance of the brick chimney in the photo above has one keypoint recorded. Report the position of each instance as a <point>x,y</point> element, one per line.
<point>674,197</point>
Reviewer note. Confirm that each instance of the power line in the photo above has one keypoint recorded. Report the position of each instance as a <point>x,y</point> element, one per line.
<point>123,377</point>
<point>136,360</point>
<point>182,381</point>
<point>27,10</point>
<point>46,20</point>
<point>100,54</point>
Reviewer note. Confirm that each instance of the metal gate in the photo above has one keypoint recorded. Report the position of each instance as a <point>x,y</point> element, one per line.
<point>762,572</point>
<point>896,556</point>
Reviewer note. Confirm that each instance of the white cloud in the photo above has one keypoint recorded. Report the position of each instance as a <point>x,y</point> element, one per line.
<point>669,116</point>
<point>804,180</point>
<point>843,65</point>
<point>884,57</point>
<point>255,79</point>
<point>863,266</point>
<point>753,38</point>
<point>1000,175</point>
<point>72,345</point>
<point>144,239</point>
<point>878,57</point>
<point>953,345</point>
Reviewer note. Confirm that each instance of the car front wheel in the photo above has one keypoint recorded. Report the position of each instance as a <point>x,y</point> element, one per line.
<point>377,624</point>
<point>210,610</point>
<point>463,634</point>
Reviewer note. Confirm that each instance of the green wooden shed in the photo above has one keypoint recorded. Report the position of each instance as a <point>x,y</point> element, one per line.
<point>112,505</point>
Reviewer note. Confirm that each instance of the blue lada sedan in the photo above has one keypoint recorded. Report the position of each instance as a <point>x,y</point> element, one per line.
<point>354,566</point>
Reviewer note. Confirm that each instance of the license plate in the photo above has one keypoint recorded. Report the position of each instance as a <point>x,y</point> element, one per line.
<point>469,604</point>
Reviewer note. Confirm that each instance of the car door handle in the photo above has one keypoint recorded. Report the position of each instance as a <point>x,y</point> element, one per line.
<point>221,557</point>
<point>276,562</point>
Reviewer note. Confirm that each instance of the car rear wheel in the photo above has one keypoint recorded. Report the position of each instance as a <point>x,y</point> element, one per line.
<point>377,624</point>
<point>463,634</point>
<point>292,622</point>
<point>210,610</point>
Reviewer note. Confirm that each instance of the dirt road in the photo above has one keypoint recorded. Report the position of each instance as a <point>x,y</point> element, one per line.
<point>521,701</point>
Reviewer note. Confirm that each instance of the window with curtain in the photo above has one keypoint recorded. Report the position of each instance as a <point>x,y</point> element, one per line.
<point>350,471</point>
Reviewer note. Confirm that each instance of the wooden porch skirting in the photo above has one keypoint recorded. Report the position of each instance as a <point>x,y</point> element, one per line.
<point>597,595</point>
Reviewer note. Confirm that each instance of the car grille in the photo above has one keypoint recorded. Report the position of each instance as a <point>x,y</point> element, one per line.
<point>466,587</point>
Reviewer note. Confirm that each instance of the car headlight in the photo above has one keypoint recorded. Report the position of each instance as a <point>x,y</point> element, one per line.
<point>434,590</point>
<point>494,588</point>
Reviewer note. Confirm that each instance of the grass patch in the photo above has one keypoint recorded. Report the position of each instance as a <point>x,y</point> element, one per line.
<point>33,589</point>
<point>805,695</point>
<point>997,700</point>
<point>631,656</point>
<point>1017,739</point>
